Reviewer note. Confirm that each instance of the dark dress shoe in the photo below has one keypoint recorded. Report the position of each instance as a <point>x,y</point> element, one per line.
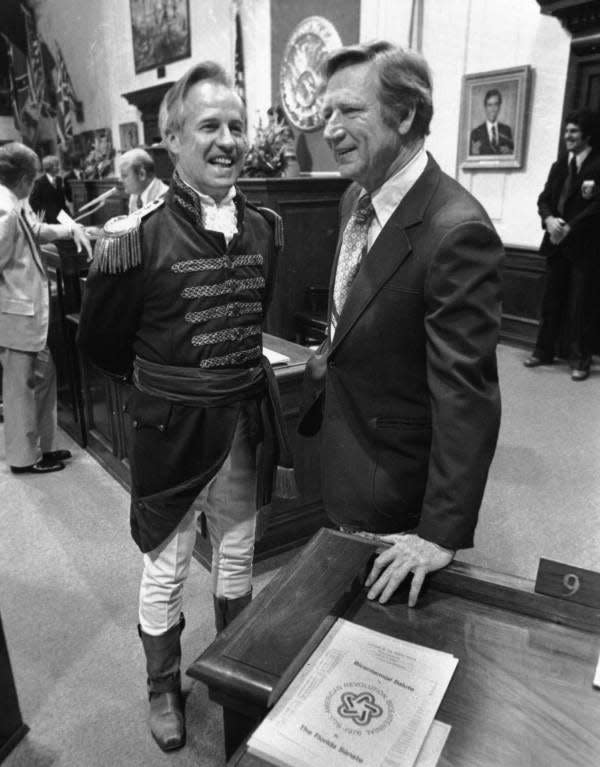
<point>40,467</point>
<point>534,362</point>
<point>579,375</point>
<point>57,455</point>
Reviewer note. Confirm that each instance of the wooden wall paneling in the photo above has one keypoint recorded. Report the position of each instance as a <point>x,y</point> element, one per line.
<point>311,228</point>
<point>309,209</point>
<point>522,283</point>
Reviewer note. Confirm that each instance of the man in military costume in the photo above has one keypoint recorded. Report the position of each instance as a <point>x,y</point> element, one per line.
<point>176,298</point>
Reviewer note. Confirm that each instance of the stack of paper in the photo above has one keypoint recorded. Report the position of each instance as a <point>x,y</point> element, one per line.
<point>275,358</point>
<point>362,698</point>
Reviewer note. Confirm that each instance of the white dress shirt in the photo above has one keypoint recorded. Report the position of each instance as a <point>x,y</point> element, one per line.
<point>391,193</point>
<point>155,189</point>
<point>580,158</point>
<point>218,216</point>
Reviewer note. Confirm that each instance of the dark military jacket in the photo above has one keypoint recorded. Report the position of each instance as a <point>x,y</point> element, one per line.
<point>173,293</point>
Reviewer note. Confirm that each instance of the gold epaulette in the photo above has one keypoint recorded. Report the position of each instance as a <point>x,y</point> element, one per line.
<point>276,224</point>
<point>119,247</point>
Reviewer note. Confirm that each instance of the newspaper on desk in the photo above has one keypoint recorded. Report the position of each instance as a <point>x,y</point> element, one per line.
<point>362,698</point>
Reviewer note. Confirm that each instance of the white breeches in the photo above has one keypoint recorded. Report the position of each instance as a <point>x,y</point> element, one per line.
<point>229,504</point>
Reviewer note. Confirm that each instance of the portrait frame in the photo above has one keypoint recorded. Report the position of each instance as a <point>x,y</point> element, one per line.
<point>128,136</point>
<point>514,86</point>
<point>160,32</point>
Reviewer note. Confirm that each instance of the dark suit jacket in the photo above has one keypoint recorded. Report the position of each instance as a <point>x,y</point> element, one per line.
<point>480,141</point>
<point>582,215</point>
<point>410,402</point>
<point>47,198</point>
<point>70,176</point>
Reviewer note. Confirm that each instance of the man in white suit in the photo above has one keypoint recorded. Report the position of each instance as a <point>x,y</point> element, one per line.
<point>136,168</point>
<point>28,375</point>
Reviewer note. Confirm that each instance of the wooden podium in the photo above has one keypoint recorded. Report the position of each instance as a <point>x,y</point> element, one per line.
<point>522,693</point>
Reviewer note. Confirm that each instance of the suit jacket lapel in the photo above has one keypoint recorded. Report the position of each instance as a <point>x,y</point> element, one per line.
<point>389,251</point>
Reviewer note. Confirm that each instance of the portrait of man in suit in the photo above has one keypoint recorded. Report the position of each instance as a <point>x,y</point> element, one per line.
<point>492,136</point>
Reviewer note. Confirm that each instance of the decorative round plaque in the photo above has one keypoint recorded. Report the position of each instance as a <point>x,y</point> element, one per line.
<point>300,80</point>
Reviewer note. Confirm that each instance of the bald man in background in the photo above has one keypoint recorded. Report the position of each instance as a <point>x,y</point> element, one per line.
<point>139,178</point>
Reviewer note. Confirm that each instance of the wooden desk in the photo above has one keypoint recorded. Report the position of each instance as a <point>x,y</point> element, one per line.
<point>521,695</point>
<point>65,267</point>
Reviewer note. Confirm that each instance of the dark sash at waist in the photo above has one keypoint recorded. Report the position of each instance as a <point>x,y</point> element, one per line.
<point>199,387</point>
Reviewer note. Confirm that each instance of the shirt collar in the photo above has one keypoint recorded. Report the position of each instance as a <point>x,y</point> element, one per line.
<point>391,193</point>
<point>580,158</point>
<point>206,199</point>
<point>144,195</point>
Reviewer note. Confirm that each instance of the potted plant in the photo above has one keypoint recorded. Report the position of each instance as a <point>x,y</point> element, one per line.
<point>272,152</point>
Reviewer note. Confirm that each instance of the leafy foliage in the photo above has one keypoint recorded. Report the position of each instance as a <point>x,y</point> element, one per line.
<point>273,144</point>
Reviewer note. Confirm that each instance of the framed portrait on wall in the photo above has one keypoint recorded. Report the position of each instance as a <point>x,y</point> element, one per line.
<point>493,119</point>
<point>161,32</point>
<point>128,136</point>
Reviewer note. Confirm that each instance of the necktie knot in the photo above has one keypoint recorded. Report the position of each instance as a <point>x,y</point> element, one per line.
<point>364,210</point>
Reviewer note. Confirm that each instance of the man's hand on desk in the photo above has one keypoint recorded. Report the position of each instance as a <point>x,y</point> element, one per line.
<point>407,553</point>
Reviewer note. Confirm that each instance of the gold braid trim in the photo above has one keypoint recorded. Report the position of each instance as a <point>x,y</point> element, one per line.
<point>119,247</point>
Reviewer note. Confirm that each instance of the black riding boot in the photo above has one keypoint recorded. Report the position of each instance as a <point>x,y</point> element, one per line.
<point>163,656</point>
<point>228,609</point>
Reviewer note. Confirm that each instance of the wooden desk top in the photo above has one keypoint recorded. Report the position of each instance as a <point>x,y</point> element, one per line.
<point>298,356</point>
<point>521,695</point>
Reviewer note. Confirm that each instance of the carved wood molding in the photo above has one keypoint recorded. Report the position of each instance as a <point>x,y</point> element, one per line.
<point>579,17</point>
<point>148,99</point>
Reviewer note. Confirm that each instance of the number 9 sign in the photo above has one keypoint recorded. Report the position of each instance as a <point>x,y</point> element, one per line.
<point>571,583</point>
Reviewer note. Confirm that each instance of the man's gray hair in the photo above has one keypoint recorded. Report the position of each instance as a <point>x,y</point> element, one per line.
<point>50,163</point>
<point>17,161</point>
<point>404,81</point>
<point>171,113</point>
<point>137,159</point>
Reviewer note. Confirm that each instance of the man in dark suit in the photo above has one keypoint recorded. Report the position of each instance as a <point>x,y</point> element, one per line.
<point>569,207</point>
<point>405,391</point>
<point>48,195</point>
<point>492,136</point>
<point>72,173</point>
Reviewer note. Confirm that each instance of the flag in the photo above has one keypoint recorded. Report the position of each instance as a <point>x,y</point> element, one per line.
<point>239,76</point>
<point>18,82</point>
<point>35,65</point>
<point>66,100</point>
